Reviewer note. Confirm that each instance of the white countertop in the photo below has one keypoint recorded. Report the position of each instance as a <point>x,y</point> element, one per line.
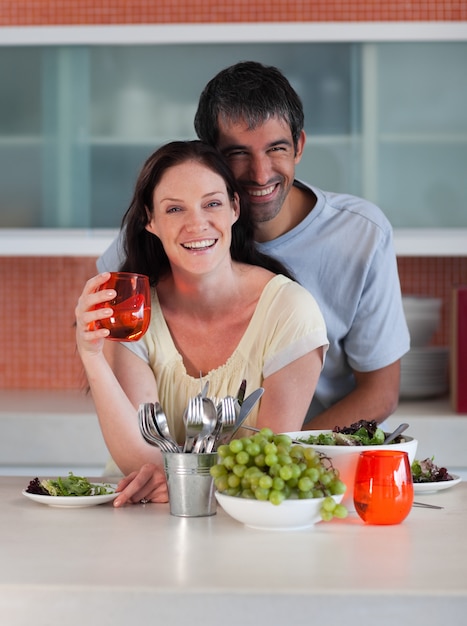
<point>140,565</point>
<point>92,242</point>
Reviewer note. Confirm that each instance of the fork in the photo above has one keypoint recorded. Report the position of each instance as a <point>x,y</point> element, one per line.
<point>224,419</point>
<point>193,418</point>
<point>229,418</point>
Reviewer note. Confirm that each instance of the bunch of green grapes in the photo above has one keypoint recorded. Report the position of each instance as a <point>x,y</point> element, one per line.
<point>267,466</point>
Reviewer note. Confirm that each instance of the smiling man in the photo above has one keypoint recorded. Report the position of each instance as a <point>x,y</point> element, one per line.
<point>340,247</point>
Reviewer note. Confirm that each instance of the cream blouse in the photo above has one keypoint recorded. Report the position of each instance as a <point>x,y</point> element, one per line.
<point>286,325</point>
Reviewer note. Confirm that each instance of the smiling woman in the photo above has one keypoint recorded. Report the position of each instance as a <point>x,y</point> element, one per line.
<point>195,227</point>
<point>219,308</point>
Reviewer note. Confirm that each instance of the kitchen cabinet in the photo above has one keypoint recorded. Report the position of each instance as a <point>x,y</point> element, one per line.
<point>415,129</point>
<point>385,120</point>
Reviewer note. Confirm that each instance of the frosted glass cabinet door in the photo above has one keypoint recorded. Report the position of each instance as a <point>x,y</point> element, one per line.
<point>66,155</point>
<point>142,96</point>
<point>20,137</point>
<point>421,92</point>
<point>44,129</point>
<point>385,121</point>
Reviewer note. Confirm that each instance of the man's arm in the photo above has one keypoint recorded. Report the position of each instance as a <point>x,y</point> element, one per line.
<point>375,397</point>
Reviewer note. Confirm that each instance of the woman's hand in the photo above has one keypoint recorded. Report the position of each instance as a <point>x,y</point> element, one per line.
<point>147,484</point>
<point>90,338</point>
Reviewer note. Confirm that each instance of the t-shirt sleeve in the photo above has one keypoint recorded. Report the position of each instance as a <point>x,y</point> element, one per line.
<point>379,334</point>
<point>112,258</point>
<point>295,327</point>
<point>139,348</point>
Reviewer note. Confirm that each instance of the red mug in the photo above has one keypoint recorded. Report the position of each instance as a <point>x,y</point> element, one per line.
<point>383,489</point>
<point>131,306</point>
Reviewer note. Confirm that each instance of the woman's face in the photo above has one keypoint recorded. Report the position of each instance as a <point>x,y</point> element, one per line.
<point>193,217</point>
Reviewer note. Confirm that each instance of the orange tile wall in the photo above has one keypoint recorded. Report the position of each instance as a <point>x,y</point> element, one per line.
<point>37,338</point>
<point>39,296</point>
<point>42,12</point>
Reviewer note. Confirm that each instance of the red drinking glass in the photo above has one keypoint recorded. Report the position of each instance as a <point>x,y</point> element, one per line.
<point>383,489</point>
<point>131,306</point>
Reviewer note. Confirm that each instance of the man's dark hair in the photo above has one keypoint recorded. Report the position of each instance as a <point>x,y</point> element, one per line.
<point>248,91</point>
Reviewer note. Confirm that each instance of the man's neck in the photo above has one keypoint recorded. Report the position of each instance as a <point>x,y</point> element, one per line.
<point>298,204</point>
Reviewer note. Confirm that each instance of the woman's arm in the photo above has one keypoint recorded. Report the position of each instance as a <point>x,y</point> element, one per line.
<point>288,393</point>
<point>116,400</point>
<point>119,382</point>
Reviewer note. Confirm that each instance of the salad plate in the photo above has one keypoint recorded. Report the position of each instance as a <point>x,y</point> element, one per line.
<point>436,486</point>
<point>73,501</point>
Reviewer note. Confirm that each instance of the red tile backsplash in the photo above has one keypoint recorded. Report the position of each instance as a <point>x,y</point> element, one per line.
<point>37,304</point>
<point>54,12</point>
<point>39,295</point>
<point>434,276</point>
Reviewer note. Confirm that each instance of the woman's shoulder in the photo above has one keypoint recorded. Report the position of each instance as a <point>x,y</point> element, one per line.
<point>253,277</point>
<point>285,306</point>
<point>283,290</point>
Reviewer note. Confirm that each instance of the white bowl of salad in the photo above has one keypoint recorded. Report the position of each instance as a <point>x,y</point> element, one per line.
<point>344,449</point>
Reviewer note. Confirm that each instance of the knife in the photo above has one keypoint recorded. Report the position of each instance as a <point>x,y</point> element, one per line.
<point>241,392</point>
<point>204,391</point>
<point>246,408</point>
<point>427,506</point>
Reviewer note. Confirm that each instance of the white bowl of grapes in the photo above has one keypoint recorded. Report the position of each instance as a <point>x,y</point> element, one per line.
<point>343,447</point>
<point>268,482</point>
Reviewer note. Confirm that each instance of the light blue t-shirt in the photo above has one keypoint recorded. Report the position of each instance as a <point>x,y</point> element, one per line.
<point>343,253</point>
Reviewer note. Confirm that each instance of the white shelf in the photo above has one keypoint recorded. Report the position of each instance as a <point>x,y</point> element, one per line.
<point>54,242</point>
<point>430,242</point>
<point>92,242</point>
<point>148,34</point>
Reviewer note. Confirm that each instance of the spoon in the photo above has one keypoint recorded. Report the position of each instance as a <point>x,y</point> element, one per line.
<point>149,431</point>
<point>162,424</point>
<point>209,418</point>
<point>391,436</point>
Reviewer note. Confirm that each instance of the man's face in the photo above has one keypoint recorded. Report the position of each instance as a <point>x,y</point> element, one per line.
<point>263,161</point>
